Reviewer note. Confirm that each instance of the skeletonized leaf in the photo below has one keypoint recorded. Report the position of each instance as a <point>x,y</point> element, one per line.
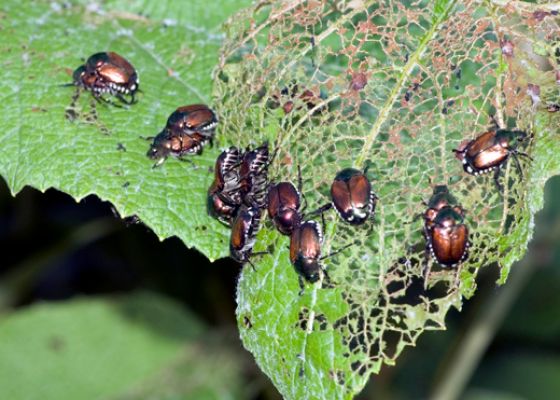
<point>395,87</point>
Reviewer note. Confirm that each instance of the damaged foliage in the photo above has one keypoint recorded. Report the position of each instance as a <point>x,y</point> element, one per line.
<point>393,86</point>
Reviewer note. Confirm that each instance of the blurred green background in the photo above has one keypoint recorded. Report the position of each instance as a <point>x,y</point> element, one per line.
<point>96,307</point>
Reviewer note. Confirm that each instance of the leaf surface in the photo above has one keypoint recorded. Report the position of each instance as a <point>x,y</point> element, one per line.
<point>136,346</point>
<point>174,48</point>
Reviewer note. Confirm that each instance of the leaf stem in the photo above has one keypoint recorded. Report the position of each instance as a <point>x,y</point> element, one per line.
<point>407,70</point>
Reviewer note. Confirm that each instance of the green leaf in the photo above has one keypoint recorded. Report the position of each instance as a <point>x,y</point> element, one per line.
<point>174,48</point>
<point>138,346</point>
<point>398,85</point>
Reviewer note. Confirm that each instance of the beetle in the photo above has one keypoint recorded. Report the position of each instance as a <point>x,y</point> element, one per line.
<point>490,152</point>
<point>220,205</point>
<point>305,252</point>
<point>253,173</point>
<point>447,237</point>
<point>440,198</point>
<point>283,203</point>
<point>195,118</point>
<point>108,72</point>
<point>226,169</point>
<point>224,197</point>
<point>243,234</point>
<point>166,144</point>
<point>352,196</point>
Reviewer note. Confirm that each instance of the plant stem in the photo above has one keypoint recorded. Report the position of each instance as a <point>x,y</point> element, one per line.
<point>476,340</point>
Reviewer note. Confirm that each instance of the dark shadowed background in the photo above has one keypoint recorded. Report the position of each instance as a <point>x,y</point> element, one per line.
<point>57,250</point>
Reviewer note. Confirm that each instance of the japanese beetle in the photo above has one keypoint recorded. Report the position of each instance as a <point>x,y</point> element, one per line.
<point>196,118</point>
<point>283,206</point>
<point>490,152</point>
<point>110,73</point>
<point>447,236</point>
<point>253,173</point>
<point>220,205</point>
<point>224,197</point>
<point>243,233</point>
<point>226,169</point>
<point>167,144</point>
<point>305,251</point>
<point>440,198</point>
<point>352,196</point>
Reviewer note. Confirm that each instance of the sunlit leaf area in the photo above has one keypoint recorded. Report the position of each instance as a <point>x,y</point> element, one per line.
<point>116,282</point>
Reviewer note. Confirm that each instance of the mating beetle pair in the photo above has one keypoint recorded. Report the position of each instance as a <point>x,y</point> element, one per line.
<point>187,131</point>
<point>238,179</point>
<point>252,182</point>
<point>236,197</point>
<point>107,73</point>
<point>447,237</point>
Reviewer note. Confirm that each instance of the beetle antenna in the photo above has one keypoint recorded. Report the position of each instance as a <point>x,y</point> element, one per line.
<point>366,169</point>
<point>67,84</point>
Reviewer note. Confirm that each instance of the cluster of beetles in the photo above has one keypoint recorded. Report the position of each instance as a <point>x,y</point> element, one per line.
<point>241,189</point>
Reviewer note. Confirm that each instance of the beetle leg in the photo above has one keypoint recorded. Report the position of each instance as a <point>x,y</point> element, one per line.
<point>517,164</point>
<point>119,96</point>
<point>301,285</point>
<point>251,264</point>
<point>320,210</point>
<point>181,158</point>
<point>497,180</point>
<point>302,209</point>
<point>159,162</point>
<point>520,153</point>
<point>327,278</point>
